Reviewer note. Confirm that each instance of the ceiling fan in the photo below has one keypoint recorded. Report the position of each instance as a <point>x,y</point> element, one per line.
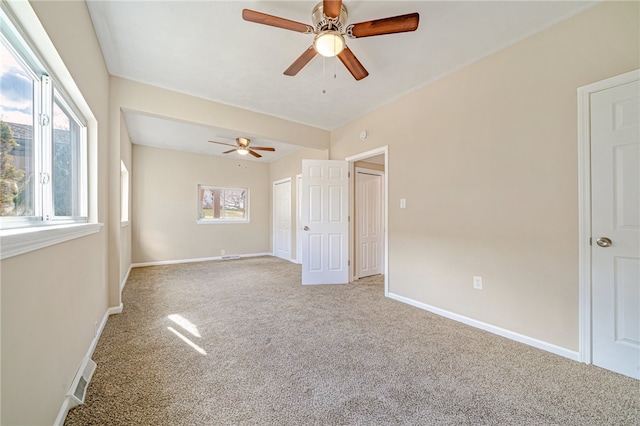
<point>330,26</point>
<point>243,147</point>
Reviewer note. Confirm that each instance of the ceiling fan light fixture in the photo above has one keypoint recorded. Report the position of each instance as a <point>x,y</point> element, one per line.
<point>329,43</point>
<point>242,151</point>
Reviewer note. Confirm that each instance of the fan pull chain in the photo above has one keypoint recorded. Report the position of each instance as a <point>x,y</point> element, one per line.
<point>324,90</point>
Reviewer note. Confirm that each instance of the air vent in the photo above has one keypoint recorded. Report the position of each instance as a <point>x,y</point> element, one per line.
<point>230,257</point>
<point>78,389</point>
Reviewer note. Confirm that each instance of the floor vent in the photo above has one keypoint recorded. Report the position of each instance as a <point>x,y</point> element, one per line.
<point>230,257</point>
<point>78,389</point>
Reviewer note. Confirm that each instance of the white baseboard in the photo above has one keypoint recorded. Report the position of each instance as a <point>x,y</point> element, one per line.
<point>62,414</point>
<point>545,346</point>
<point>202,259</point>
<point>66,404</point>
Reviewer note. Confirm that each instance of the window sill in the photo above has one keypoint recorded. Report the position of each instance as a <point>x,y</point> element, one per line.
<point>220,222</point>
<point>14,242</point>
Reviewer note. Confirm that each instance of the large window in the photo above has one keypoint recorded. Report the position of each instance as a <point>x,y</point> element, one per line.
<point>216,204</point>
<point>43,151</point>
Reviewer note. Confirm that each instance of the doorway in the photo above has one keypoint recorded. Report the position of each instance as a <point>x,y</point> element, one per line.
<point>282,219</point>
<point>609,200</point>
<point>378,157</point>
<point>368,250</point>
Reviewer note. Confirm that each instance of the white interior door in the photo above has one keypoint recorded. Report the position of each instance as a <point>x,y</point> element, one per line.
<point>615,186</point>
<point>298,218</point>
<point>368,208</point>
<point>325,222</point>
<point>282,219</point>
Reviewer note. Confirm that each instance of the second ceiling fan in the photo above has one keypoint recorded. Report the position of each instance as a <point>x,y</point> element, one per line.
<point>330,27</point>
<point>243,147</point>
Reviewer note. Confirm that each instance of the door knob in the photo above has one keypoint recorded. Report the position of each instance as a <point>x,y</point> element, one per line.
<point>604,242</point>
<point>306,228</point>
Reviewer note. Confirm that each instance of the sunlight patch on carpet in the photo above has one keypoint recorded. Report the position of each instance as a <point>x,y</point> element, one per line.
<point>187,341</point>
<point>185,324</point>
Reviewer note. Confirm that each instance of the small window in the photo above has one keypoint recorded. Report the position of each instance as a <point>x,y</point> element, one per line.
<point>124,193</point>
<point>216,204</point>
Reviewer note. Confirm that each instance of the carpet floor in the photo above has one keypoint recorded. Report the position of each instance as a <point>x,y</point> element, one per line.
<point>242,342</point>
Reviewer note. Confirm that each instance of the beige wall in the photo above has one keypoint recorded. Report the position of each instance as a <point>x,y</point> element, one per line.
<point>130,95</point>
<point>367,165</point>
<point>289,167</point>
<point>487,160</point>
<point>52,297</point>
<point>127,94</point>
<point>165,206</point>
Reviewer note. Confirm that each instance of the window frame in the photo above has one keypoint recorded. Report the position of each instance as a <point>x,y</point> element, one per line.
<point>47,94</point>
<point>202,220</point>
<point>25,26</point>
<point>124,194</point>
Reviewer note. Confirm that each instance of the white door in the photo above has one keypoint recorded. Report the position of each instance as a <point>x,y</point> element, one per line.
<point>615,186</point>
<point>298,218</point>
<point>282,219</point>
<point>324,224</point>
<point>368,222</point>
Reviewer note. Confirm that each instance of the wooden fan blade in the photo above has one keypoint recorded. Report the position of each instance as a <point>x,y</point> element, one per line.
<point>300,63</point>
<point>275,21</point>
<point>227,152</point>
<point>222,143</point>
<point>396,24</point>
<point>331,8</point>
<point>263,148</point>
<point>353,64</point>
<point>255,154</point>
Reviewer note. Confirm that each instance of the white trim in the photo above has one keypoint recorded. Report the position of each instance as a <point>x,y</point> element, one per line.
<point>221,221</point>
<point>62,414</point>
<point>298,219</point>
<point>67,403</point>
<point>273,216</point>
<point>352,159</point>
<point>14,242</point>
<point>202,259</point>
<point>545,346</point>
<point>584,205</point>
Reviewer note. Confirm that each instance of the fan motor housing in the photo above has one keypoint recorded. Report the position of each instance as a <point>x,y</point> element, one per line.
<point>321,22</point>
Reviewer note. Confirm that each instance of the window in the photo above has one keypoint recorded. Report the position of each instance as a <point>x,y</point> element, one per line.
<point>43,151</point>
<point>124,193</point>
<point>216,205</point>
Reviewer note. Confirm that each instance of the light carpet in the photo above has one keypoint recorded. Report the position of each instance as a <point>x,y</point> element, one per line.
<point>258,348</point>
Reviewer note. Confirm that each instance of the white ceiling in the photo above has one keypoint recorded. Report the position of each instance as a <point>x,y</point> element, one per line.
<point>204,48</point>
<point>162,132</point>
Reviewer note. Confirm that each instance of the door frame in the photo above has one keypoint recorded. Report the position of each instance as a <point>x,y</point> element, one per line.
<point>584,205</point>
<point>298,237</point>
<point>275,222</point>
<point>380,174</point>
<point>385,202</point>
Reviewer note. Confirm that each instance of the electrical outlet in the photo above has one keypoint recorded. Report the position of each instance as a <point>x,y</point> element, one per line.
<point>223,252</point>
<point>477,283</point>
<point>403,203</point>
